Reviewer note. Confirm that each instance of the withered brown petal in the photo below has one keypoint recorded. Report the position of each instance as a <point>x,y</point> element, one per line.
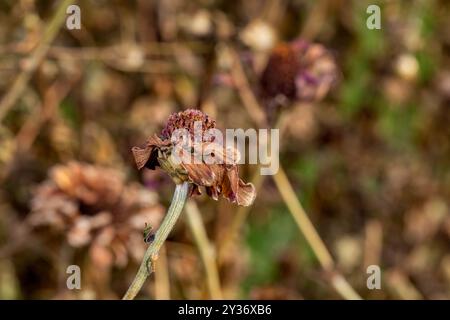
<point>195,190</point>
<point>212,192</point>
<point>221,154</point>
<point>200,174</point>
<point>233,178</point>
<point>236,190</point>
<point>143,155</point>
<point>246,193</point>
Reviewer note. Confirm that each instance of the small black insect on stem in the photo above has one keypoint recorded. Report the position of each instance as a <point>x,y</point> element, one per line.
<point>149,236</point>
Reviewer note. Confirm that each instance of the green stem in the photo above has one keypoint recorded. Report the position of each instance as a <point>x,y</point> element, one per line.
<point>146,267</point>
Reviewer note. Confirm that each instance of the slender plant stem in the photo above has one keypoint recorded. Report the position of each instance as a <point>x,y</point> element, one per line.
<point>341,285</point>
<point>312,237</point>
<point>245,92</point>
<point>302,219</point>
<point>205,248</point>
<point>254,110</point>
<point>238,221</point>
<point>147,264</point>
<point>35,59</point>
<point>162,278</point>
<point>241,215</point>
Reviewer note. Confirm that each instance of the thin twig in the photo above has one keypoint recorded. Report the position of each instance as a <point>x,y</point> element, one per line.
<point>341,285</point>
<point>238,221</point>
<point>302,220</point>
<point>373,243</point>
<point>241,215</point>
<point>314,22</point>
<point>245,92</point>
<point>312,237</point>
<point>35,59</point>
<point>147,264</point>
<point>205,248</point>
<point>162,279</point>
<point>400,286</point>
<point>46,112</point>
<point>305,226</point>
<point>96,52</point>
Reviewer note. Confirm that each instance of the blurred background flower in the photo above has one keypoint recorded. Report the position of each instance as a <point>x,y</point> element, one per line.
<point>93,206</point>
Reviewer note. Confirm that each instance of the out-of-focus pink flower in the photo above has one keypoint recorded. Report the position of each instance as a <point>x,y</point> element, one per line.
<point>298,70</point>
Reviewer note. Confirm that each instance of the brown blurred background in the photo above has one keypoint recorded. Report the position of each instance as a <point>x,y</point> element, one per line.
<point>369,162</point>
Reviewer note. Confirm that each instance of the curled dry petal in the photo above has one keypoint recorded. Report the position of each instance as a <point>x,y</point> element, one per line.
<point>145,156</point>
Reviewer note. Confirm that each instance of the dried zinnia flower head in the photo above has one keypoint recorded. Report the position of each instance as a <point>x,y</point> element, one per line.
<point>205,161</point>
<point>93,207</point>
<point>299,71</point>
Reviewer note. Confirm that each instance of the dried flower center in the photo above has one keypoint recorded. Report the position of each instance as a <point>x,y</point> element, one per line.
<point>186,120</point>
<point>279,75</point>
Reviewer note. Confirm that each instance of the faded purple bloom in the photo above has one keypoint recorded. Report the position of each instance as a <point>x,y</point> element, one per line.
<point>298,71</point>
